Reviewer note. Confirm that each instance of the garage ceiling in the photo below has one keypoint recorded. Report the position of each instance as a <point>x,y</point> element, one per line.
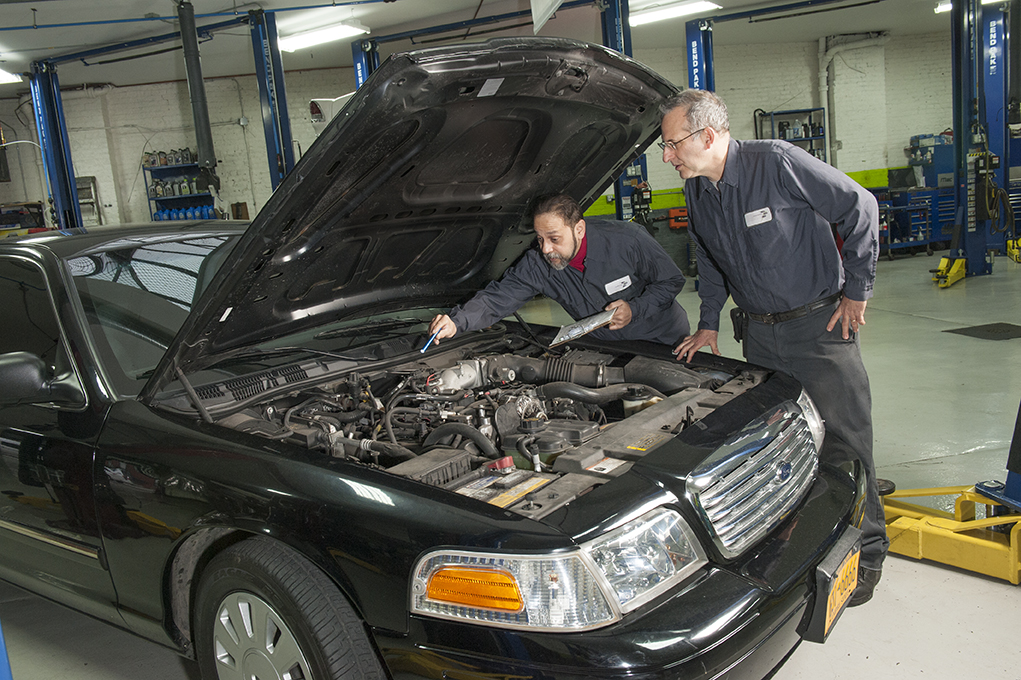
<point>70,26</point>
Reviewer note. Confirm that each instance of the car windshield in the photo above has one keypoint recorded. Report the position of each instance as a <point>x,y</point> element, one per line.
<point>137,293</point>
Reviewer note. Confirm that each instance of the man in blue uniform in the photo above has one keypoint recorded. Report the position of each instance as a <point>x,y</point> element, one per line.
<point>760,213</point>
<point>587,268</point>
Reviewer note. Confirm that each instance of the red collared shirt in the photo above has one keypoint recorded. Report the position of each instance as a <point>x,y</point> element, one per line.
<point>578,262</point>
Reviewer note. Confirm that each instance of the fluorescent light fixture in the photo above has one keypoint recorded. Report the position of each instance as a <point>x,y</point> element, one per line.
<point>661,12</point>
<point>946,5</point>
<point>6,77</point>
<point>318,36</point>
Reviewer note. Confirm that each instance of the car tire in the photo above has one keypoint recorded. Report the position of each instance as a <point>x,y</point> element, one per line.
<point>265,611</point>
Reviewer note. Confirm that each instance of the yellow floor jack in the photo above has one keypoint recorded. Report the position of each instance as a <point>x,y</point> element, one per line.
<point>953,267</point>
<point>950,271</point>
<point>989,545</point>
<point>1014,249</point>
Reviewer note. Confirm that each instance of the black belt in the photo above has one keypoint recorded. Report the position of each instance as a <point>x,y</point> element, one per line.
<point>778,317</point>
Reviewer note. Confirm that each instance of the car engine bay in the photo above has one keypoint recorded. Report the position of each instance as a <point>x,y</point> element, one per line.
<point>521,429</point>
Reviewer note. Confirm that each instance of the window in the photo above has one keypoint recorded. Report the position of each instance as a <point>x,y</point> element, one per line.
<point>29,322</point>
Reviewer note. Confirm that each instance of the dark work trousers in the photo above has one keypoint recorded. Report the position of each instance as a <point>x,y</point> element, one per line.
<point>831,370</point>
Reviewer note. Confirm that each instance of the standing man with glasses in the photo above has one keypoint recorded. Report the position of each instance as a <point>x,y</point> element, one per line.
<point>765,215</point>
<point>587,267</point>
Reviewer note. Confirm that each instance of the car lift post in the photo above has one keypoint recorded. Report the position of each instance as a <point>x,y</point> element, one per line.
<point>617,36</point>
<point>56,146</point>
<point>990,546</point>
<point>984,107</point>
<point>269,70</point>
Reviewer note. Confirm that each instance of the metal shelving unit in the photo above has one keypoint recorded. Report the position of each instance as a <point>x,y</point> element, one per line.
<point>172,196</point>
<point>804,127</point>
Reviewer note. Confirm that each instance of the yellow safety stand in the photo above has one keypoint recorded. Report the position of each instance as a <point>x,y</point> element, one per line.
<point>949,272</point>
<point>957,539</point>
<point>1014,249</point>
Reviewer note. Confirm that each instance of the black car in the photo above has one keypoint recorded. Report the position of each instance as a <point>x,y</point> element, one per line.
<point>228,440</point>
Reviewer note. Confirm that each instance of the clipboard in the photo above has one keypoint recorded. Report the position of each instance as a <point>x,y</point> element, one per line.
<point>577,329</point>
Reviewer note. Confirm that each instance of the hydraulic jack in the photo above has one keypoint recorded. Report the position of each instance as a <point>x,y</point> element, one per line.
<point>950,271</point>
<point>990,545</point>
<point>1014,249</point>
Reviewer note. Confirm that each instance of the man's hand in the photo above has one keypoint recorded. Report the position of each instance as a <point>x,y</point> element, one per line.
<point>443,324</point>
<point>691,344</point>
<point>621,314</point>
<point>850,313</point>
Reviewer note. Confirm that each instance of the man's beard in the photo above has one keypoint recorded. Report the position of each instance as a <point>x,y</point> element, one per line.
<point>560,263</point>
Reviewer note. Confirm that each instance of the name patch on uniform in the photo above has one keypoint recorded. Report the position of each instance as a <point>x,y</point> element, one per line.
<point>618,285</point>
<point>758,217</point>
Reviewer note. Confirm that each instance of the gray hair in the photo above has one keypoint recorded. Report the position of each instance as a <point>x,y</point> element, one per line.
<point>704,108</point>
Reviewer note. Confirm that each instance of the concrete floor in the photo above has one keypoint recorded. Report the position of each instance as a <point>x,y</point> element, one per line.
<point>944,410</point>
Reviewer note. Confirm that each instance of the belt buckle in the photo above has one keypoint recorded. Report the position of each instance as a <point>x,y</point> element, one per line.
<point>769,318</point>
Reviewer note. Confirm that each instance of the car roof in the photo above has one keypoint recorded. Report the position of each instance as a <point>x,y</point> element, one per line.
<point>72,242</point>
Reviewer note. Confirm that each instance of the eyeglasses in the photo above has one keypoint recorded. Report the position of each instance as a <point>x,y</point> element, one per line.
<point>673,145</point>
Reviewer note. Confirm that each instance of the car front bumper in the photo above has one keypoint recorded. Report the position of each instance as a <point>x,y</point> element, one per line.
<point>738,620</point>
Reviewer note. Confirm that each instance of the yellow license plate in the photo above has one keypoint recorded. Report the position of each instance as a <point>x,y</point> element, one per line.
<point>841,588</point>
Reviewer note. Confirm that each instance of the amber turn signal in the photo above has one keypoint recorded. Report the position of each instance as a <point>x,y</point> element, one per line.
<point>487,588</point>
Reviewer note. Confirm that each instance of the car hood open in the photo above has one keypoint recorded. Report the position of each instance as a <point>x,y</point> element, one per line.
<point>417,192</point>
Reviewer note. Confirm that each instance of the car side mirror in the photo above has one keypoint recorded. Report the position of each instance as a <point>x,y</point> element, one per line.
<point>24,377</point>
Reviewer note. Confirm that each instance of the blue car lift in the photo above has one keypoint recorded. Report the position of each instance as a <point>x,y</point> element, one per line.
<point>52,130</point>
<point>979,41</point>
<point>270,71</point>
<point>49,118</point>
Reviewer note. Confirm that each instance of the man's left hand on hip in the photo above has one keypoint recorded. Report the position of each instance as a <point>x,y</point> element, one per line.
<point>851,314</point>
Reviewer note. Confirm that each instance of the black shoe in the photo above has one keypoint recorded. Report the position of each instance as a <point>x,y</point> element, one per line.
<point>867,580</point>
<point>885,486</point>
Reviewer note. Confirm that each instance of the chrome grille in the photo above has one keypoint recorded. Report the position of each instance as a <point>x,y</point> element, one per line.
<point>750,484</point>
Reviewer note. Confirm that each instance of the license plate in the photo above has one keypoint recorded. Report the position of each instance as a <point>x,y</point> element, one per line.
<point>841,587</point>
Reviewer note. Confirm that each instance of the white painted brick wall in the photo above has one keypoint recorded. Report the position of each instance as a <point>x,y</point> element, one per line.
<point>24,160</point>
<point>858,120</point>
<point>110,131</point>
<point>884,95</point>
<point>919,90</point>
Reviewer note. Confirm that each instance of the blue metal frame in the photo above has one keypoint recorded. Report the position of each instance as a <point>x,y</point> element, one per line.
<point>203,31</point>
<point>269,70</point>
<point>994,73</point>
<point>699,48</point>
<point>365,54</point>
<point>617,36</point>
<point>969,113</point>
<point>49,117</point>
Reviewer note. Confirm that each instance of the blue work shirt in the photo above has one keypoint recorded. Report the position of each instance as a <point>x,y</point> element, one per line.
<point>763,234</point>
<point>623,262</point>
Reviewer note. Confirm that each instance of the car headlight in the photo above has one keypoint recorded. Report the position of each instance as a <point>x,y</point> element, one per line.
<point>578,590</point>
<point>645,557</point>
<point>812,417</point>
